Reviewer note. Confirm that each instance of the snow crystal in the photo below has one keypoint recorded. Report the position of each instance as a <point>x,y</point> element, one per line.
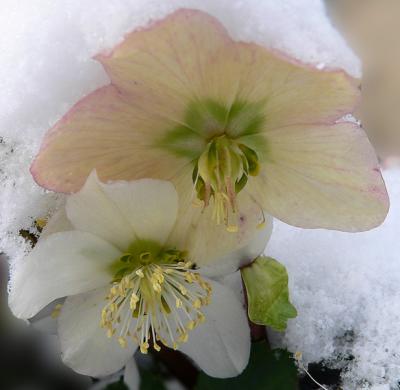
<point>346,289</point>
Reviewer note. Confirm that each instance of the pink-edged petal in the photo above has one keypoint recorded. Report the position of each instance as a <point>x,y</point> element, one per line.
<point>85,346</point>
<point>107,132</point>
<point>322,177</point>
<point>171,56</point>
<point>62,264</point>
<point>221,345</point>
<point>287,91</point>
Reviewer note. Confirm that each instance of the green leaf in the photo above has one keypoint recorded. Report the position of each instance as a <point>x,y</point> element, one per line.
<point>266,282</point>
<point>267,370</point>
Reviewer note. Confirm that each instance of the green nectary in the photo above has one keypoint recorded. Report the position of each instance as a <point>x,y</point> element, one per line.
<point>145,252</point>
<point>225,145</point>
<point>206,119</point>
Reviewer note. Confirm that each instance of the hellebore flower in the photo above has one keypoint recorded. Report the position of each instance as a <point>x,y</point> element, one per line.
<point>130,284</point>
<point>230,123</point>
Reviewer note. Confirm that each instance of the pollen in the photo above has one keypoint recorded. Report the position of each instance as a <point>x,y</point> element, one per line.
<point>156,304</point>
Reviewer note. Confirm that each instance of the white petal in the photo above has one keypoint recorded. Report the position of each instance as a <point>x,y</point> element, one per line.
<point>242,256</point>
<point>221,345</point>
<point>234,282</point>
<point>85,346</point>
<point>131,375</point>
<point>150,206</point>
<point>59,222</point>
<point>62,264</point>
<point>91,210</point>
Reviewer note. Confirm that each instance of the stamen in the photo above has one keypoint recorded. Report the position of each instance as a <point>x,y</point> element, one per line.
<point>156,302</point>
<point>221,172</point>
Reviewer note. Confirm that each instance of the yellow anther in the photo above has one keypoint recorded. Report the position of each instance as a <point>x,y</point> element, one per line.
<point>183,338</point>
<point>191,325</point>
<point>178,303</point>
<point>122,342</point>
<point>110,332</point>
<point>261,225</point>
<point>156,287</point>
<point>174,346</point>
<point>201,317</point>
<point>197,303</point>
<point>144,347</point>
<point>232,228</point>
<point>140,273</point>
<point>156,347</point>
<point>41,222</point>
<point>182,290</point>
<point>114,291</point>
<point>188,277</point>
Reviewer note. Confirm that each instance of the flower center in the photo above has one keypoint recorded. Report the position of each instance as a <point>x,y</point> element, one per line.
<point>156,298</point>
<point>220,173</point>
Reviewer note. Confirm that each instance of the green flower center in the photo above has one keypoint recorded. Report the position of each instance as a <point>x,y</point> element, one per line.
<point>220,173</point>
<point>226,146</point>
<point>156,296</point>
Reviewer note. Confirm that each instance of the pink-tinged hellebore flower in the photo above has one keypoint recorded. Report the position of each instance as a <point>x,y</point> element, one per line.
<point>130,284</point>
<point>230,123</point>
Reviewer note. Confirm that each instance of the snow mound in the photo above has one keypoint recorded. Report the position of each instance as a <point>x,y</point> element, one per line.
<point>346,289</point>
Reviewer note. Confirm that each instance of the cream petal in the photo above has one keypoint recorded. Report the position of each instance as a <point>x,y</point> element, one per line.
<point>109,132</point>
<point>210,244</point>
<point>172,55</point>
<point>239,257</point>
<point>221,345</point>
<point>286,92</point>
<point>150,206</point>
<point>62,264</point>
<point>322,177</point>
<point>85,346</point>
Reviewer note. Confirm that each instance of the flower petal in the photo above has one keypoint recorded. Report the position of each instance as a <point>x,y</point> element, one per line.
<point>322,177</point>
<point>212,245</point>
<point>92,210</point>
<point>110,133</point>
<point>131,375</point>
<point>284,91</point>
<point>172,55</point>
<point>58,222</point>
<point>85,346</point>
<point>62,264</point>
<point>238,257</point>
<point>221,345</point>
<point>150,206</point>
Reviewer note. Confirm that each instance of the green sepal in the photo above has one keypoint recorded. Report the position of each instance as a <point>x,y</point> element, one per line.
<point>266,282</point>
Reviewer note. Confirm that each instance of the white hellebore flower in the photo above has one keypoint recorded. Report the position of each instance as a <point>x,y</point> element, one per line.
<point>133,279</point>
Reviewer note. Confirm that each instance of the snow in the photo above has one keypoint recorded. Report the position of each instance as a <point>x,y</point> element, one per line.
<point>346,289</point>
<point>343,285</point>
<point>46,66</point>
